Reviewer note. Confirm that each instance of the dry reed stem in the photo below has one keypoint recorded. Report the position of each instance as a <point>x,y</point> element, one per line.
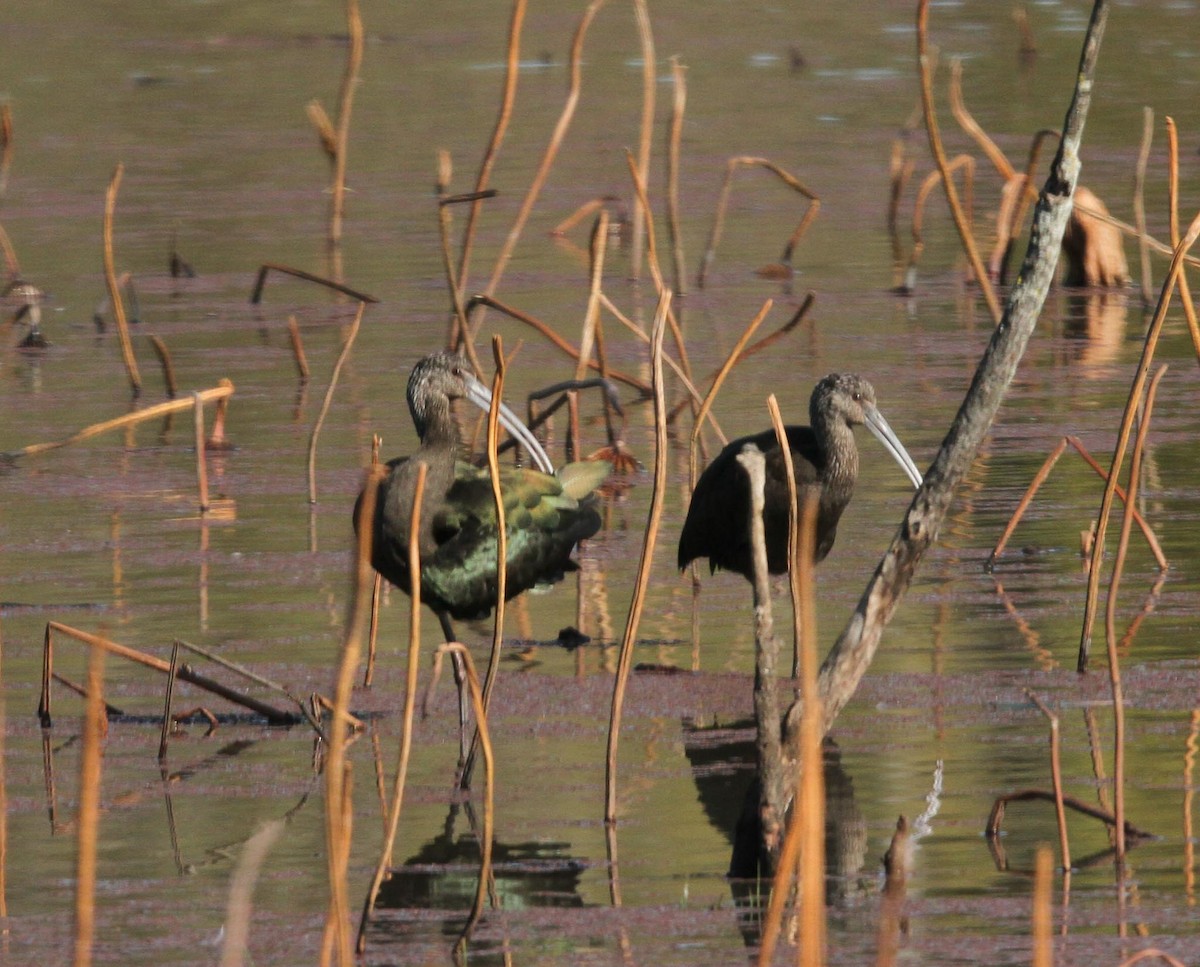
<point>273,715</point>
<point>512,66</point>
<point>1114,661</point>
<point>968,123</point>
<point>796,561</point>
<point>114,291</point>
<point>337,204</point>
<point>347,345</point>
<point>788,179</point>
<point>596,249</point>
<point>582,212</point>
<point>201,462</point>
<point>1018,195</point>
<point>373,631</point>
<point>172,673</point>
<point>1040,478</point>
<point>642,215</point>
<point>459,336</point>
<point>336,802</point>
<point>1135,394</point>
<point>1185,295</point>
<point>261,281</point>
<point>717,382</point>
<point>298,348</point>
<point>222,390</point>
<point>675,132</point>
<point>931,180</point>
<point>488,829</point>
<point>410,698</point>
<point>324,128</point>
<point>555,338</point>
<point>1043,952</point>
<point>4,927</point>
<point>10,255</point>
<point>1139,203</point>
<point>241,892</point>
<point>88,820</point>
<point>1060,812</point>
<point>560,131</point>
<point>1189,794</point>
<point>625,657</point>
<point>939,157</point>
<point>996,817</point>
<point>164,360</point>
<point>639,184</point>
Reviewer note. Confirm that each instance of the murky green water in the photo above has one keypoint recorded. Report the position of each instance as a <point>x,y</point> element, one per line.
<point>204,106</point>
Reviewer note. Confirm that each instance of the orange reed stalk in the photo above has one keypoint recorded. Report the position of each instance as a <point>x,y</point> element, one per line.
<point>1185,295</point>
<point>347,345</point>
<point>298,348</point>
<point>88,821</point>
<point>1139,204</point>
<point>649,83</point>
<point>1043,953</point>
<point>1056,778</point>
<point>1135,393</point>
<point>679,102</point>
<point>625,658</point>
<point>410,696</point>
<point>114,291</point>
<point>939,157</point>
<point>201,461</point>
<point>164,360</point>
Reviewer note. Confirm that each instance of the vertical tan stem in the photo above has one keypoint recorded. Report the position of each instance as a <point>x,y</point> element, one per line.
<point>201,456</point>
<point>337,209</point>
<point>1139,204</point>
<point>678,103</point>
<point>625,658</point>
<point>1043,954</point>
<point>1185,294</point>
<point>114,290</point>
<point>328,400</point>
<point>88,821</point>
<point>649,82</point>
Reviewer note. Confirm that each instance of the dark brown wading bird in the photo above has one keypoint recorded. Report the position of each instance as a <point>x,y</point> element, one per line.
<point>546,513</point>
<point>825,460</point>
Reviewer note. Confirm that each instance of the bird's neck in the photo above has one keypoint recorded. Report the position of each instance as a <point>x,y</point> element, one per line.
<point>440,434</point>
<point>841,452</point>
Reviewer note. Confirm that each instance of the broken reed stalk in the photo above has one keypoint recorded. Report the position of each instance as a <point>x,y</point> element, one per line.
<point>512,66</point>
<point>649,82</point>
<point>1026,196</point>
<point>239,907</point>
<point>273,715</point>
<point>939,157</point>
<point>555,339</point>
<point>10,255</point>
<point>718,381</point>
<point>556,139</point>
<point>336,801</point>
<point>459,336</point>
<point>1131,405</point>
<point>855,648</point>
<point>410,695</point>
<point>963,161</point>
<point>221,391</point>
<point>261,281</point>
<point>114,291</point>
<point>1040,478</point>
<point>657,496</point>
<point>347,345</point>
<point>201,461</point>
<point>88,820</point>
<point>745,161</point>
<point>337,204</point>
<point>1147,954</point>
<point>487,832</point>
<point>1185,294</point>
<point>1060,812</point>
<point>597,248</point>
<point>796,560</point>
<point>298,348</point>
<point>1139,204</point>
<point>493,459</point>
<point>758,347</point>
<point>1043,951</point>
<point>996,817</point>
<point>1189,794</point>
<point>675,132</point>
<point>968,123</point>
<point>164,360</point>
<point>6,144</point>
<point>172,673</point>
<point>1114,661</point>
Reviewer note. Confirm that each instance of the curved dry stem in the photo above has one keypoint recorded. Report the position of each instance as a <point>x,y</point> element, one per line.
<point>328,400</point>
<point>1060,812</point>
<point>939,156</point>
<point>732,165</point>
<point>1135,393</point>
<point>649,82</point>
<point>1139,204</point>
<point>931,180</point>
<point>114,290</point>
<point>625,657</point>
<point>675,131</point>
<point>968,123</point>
<point>261,281</point>
<point>508,97</point>
<point>1185,294</point>
<point>337,205</point>
<point>410,686</point>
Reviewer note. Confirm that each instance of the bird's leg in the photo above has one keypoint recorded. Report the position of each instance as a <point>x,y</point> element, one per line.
<point>460,681</point>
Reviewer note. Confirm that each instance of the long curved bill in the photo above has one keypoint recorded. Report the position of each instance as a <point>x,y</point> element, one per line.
<point>481,396</point>
<point>883,433</point>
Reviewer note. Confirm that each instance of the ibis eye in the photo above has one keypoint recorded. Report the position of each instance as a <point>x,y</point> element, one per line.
<point>858,397</point>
